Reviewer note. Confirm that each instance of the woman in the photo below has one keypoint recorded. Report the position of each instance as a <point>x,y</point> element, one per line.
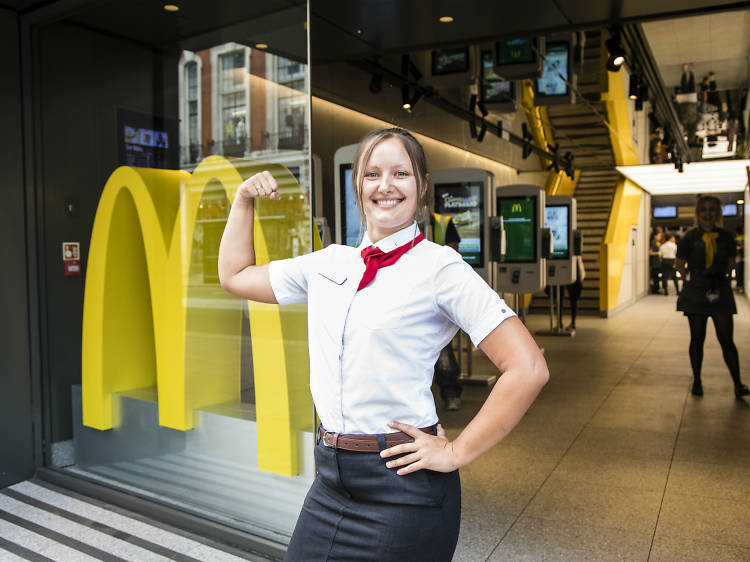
<point>387,486</point>
<point>707,253</point>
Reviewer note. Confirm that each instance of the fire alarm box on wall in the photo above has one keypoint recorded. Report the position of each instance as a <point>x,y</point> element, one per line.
<point>71,258</point>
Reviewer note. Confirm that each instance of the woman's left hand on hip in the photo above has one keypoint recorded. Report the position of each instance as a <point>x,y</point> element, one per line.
<point>425,452</point>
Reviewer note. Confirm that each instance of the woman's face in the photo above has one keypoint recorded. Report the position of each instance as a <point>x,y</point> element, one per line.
<point>708,214</point>
<point>390,194</point>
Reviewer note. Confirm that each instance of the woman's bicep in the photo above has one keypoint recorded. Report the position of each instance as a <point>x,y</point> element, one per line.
<point>511,348</point>
<point>253,283</point>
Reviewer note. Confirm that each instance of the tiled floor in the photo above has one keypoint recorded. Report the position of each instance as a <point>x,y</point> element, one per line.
<point>616,460</point>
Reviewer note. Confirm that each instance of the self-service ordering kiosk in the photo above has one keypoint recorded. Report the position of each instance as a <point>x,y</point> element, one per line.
<point>522,210</point>
<point>348,227</point>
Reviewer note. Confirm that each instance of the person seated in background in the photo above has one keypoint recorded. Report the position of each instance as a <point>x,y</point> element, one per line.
<point>667,255</point>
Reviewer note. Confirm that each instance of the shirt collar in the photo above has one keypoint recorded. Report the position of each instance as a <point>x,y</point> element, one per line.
<point>403,236</point>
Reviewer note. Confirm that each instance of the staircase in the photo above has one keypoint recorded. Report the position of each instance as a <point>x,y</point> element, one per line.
<point>579,128</point>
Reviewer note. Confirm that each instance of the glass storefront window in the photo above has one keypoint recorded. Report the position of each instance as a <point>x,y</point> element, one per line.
<point>184,393</point>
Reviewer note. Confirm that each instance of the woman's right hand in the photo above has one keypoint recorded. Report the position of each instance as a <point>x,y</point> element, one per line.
<point>261,185</point>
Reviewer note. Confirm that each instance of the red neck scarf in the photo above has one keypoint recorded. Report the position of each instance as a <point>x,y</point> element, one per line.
<point>375,258</point>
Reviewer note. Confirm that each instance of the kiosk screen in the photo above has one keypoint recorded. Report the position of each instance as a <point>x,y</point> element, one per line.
<point>519,219</point>
<point>556,219</point>
<point>464,202</point>
<point>350,219</point>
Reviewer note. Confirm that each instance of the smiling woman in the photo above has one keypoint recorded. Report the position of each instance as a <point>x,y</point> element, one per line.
<point>378,316</point>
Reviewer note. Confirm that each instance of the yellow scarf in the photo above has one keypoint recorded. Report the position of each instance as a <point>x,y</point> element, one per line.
<point>709,239</point>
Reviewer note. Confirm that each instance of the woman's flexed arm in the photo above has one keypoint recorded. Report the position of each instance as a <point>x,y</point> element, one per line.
<point>238,273</point>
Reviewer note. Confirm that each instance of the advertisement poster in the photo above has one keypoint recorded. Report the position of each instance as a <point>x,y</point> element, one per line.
<point>465,203</point>
<point>146,141</point>
<point>519,218</point>
<point>556,219</point>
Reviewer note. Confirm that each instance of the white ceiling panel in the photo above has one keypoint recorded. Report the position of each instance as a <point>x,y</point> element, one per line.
<point>697,177</point>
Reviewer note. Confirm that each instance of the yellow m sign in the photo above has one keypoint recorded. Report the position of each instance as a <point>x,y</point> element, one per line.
<point>516,208</point>
<point>149,323</point>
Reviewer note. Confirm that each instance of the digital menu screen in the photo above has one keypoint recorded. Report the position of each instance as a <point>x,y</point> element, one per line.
<point>519,219</point>
<point>515,51</point>
<point>450,61</point>
<point>464,202</point>
<point>146,141</point>
<point>350,217</point>
<point>494,88</point>
<point>729,210</point>
<point>665,212</point>
<point>556,218</point>
<point>554,79</point>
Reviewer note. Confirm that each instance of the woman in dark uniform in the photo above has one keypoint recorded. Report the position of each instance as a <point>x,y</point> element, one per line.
<point>707,254</point>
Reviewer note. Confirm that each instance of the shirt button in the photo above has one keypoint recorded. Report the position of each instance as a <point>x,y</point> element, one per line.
<point>503,311</point>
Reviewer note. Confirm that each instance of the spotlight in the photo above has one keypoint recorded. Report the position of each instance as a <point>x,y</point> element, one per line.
<point>415,98</point>
<point>642,96</point>
<point>405,98</point>
<point>376,83</point>
<point>482,132</point>
<point>616,52</point>
<point>635,84</point>
<point>482,108</point>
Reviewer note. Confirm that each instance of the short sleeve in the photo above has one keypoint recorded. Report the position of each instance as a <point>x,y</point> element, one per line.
<point>289,278</point>
<point>466,299</point>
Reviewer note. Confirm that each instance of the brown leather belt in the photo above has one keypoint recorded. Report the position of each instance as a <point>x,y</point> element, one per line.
<point>367,443</point>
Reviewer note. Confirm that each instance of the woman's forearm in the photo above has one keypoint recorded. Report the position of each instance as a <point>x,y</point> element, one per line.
<point>236,251</point>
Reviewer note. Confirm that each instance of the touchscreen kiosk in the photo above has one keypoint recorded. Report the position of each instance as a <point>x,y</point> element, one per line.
<point>464,195</point>
<point>560,218</point>
<point>349,228</point>
<point>522,209</point>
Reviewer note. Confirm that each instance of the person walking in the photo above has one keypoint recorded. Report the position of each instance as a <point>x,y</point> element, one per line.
<point>387,486</point>
<point>667,255</point>
<point>705,257</point>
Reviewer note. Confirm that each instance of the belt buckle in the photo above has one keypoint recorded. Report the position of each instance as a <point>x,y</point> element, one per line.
<point>332,434</point>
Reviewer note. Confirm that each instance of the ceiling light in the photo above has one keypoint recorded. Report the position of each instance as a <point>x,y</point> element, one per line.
<point>697,177</point>
<point>635,85</point>
<point>261,45</point>
<point>405,98</point>
<point>616,52</point>
<point>446,19</point>
<point>740,201</point>
<point>171,7</point>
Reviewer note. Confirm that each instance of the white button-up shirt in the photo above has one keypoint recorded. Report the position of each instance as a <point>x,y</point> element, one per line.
<point>373,352</point>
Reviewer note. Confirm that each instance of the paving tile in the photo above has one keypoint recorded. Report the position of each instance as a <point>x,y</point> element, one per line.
<point>716,520</point>
<point>667,549</point>
<point>532,538</point>
<point>710,480</point>
<point>480,534</point>
<point>730,447</point>
<point>622,442</point>
<point>584,503</point>
<point>605,470</point>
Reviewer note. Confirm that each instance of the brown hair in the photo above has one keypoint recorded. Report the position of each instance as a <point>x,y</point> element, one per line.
<point>413,149</point>
<point>705,199</point>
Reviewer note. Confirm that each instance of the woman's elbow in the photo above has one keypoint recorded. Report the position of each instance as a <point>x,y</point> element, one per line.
<point>540,372</point>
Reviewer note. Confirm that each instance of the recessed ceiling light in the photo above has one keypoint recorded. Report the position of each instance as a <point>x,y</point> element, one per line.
<point>740,201</point>
<point>261,46</point>
<point>171,7</point>
<point>446,19</point>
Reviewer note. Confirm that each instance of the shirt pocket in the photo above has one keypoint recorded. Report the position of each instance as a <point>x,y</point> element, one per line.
<point>329,296</point>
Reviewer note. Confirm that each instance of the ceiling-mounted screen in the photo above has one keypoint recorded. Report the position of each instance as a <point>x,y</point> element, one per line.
<point>520,222</point>
<point>351,228</point>
<point>515,59</point>
<point>729,210</point>
<point>554,80</point>
<point>464,201</point>
<point>665,212</point>
<point>493,88</point>
<point>450,61</point>
<point>557,219</point>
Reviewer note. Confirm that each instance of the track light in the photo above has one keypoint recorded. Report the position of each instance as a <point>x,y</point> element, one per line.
<point>482,108</point>
<point>415,98</point>
<point>405,98</point>
<point>635,84</point>
<point>376,83</point>
<point>616,52</point>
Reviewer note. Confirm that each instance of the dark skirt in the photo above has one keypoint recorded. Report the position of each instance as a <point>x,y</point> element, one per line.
<point>693,299</point>
<point>358,509</point>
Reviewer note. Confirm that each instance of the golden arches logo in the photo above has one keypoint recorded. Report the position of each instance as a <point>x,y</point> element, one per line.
<point>516,208</point>
<point>143,323</point>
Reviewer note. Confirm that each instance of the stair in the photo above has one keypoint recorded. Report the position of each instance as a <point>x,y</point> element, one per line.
<point>579,128</point>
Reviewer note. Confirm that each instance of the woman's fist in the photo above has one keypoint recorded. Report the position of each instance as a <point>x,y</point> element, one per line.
<point>261,185</point>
